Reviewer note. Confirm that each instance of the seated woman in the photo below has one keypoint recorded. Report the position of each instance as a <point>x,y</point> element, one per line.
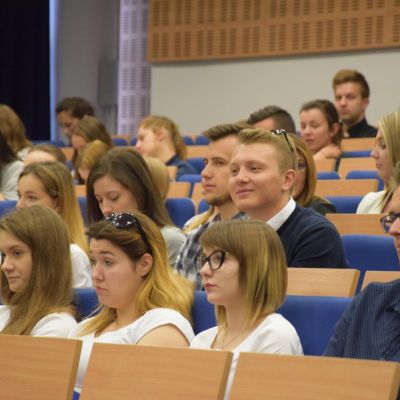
<point>36,278</point>
<point>87,130</point>
<point>88,157</point>
<point>142,301</point>
<point>386,154</point>
<point>121,181</point>
<point>51,184</point>
<point>160,137</point>
<point>45,152</point>
<point>244,272</point>
<point>306,181</point>
<point>13,130</point>
<point>321,129</point>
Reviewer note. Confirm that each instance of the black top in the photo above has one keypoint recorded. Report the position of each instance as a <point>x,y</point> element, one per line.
<point>321,206</point>
<point>362,129</point>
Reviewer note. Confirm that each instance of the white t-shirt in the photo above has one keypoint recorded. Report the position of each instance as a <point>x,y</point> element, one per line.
<point>55,324</point>
<point>81,271</point>
<point>275,335</point>
<point>129,334</point>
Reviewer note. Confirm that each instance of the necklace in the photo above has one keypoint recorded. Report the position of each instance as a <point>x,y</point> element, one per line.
<point>225,345</point>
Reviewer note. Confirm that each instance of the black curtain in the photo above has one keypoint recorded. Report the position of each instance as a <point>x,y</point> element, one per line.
<point>24,63</point>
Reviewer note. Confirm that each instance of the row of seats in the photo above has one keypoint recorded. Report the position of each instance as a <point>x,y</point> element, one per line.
<point>46,368</point>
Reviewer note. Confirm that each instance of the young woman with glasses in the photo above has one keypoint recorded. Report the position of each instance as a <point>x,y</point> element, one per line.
<point>142,301</point>
<point>244,273</point>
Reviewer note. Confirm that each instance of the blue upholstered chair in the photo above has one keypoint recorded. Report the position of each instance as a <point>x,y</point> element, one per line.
<point>7,206</point>
<point>203,206</point>
<point>314,318</point>
<point>119,141</point>
<point>188,140</point>
<point>86,301</point>
<point>356,153</point>
<point>133,141</point>
<point>192,179</point>
<point>345,204</point>
<point>197,162</point>
<point>203,314</point>
<point>370,252</point>
<point>366,175</point>
<point>201,140</point>
<point>83,206</point>
<point>180,210</point>
<point>328,175</point>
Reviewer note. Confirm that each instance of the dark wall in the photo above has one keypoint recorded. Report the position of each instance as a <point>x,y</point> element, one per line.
<point>24,62</point>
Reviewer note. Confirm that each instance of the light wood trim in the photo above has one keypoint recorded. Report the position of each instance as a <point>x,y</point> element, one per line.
<point>325,165</point>
<point>323,281</point>
<point>379,276</point>
<point>357,224</point>
<point>80,190</point>
<point>68,151</point>
<point>282,377</point>
<point>172,170</point>
<point>178,189</point>
<point>196,151</point>
<point>356,164</point>
<point>197,194</point>
<point>38,368</point>
<point>359,144</point>
<point>346,187</point>
<point>150,372</point>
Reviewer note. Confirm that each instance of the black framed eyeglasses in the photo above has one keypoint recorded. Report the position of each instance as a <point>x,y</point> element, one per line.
<point>124,221</point>
<point>214,260</point>
<point>282,132</point>
<point>388,220</point>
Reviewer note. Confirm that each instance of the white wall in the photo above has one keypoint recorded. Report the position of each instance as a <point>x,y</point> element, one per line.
<point>87,33</point>
<point>200,95</point>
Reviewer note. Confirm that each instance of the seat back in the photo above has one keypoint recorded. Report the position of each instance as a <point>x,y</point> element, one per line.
<point>80,190</point>
<point>282,377</point>
<point>373,174</point>
<point>38,368</point>
<point>197,163</point>
<point>345,204</point>
<point>346,187</point>
<point>86,301</point>
<point>379,276</point>
<point>325,165</point>
<point>150,372</point>
<point>178,189</point>
<point>322,281</point>
<point>358,144</point>
<point>7,206</point>
<point>203,313</point>
<point>355,224</point>
<point>180,210</point>
<point>314,318</point>
<point>355,163</point>
<point>196,151</point>
<point>197,194</point>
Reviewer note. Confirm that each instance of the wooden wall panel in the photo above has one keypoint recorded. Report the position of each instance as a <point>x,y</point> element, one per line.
<point>189,30</point>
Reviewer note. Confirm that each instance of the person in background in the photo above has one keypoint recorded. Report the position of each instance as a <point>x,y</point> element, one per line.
<point>36,277</point>
<point>45,152</point>
<point>50,184</point>
<point>244,273</point>
<point>263,173</point>
<point>160,137</point>
<point>121,181</point>
<point>88,157</point>
<point>214,183</point>
<point>369,328</point>
<point>306,180</point>
<point>69,111</point>
<point>272,117</point>
<point>142,301</point>
<point>321,129</point>
<point>386,154</point>
<point>13,130</point>
<point>10,169</point>
<point>351,91</point>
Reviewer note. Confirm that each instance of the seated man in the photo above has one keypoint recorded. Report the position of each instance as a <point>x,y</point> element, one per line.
<point>369,328</point>
<point>272,117</point>
<point>263,172</point>
<point>214,181</point>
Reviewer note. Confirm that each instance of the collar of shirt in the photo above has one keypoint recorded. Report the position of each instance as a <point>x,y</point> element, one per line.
<point>280,218</point>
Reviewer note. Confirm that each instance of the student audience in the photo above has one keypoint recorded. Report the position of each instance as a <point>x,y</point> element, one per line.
<point>10,168</point>
<point>263,172</point>
<point>160,137</point>
<point>321,129</point>
<point>121,181</point>
<point>215,176</point>
<point>272,117</point>
<point>351,91</point>
<point>45,152</point>
<point>50,184</point>
<point>306,180</point>
<point>386,154</point>
<point>142,301</point>
<point>36,277</point>
<point>14,132</point>
<point>244,273</point>
<point>69,111</point>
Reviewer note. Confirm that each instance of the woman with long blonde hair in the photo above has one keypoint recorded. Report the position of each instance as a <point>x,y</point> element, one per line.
<point>50,183</point>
